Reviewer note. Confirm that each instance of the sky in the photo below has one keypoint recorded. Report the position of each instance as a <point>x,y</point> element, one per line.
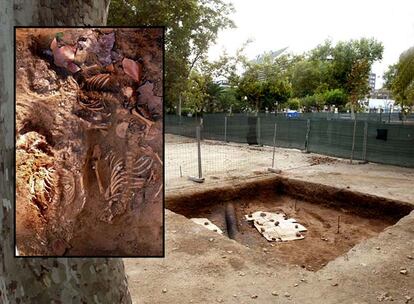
<point>301,25</point>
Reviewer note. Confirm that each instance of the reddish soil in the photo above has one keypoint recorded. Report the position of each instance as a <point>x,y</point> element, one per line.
<point>322,243</point>
<point>89,143</point>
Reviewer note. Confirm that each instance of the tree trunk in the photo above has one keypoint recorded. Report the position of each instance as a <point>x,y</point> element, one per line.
<point>45,280</point>
<point>353,133</point>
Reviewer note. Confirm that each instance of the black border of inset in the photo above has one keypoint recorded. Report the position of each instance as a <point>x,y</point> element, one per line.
<point>163,134</point>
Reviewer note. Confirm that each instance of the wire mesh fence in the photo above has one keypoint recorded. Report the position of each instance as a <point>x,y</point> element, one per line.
<point>374,141</point>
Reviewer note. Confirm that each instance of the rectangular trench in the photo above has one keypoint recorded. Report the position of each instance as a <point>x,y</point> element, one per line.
<point>318,207</point>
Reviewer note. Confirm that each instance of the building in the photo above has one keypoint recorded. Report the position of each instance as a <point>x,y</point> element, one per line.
<point>372,77</point>
<point>222,82</point>
<point>382,93</point>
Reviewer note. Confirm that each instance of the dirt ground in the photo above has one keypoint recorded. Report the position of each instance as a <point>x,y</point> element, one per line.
<point>321,244</point>
<point>89,142</point>
<point>204,267</point>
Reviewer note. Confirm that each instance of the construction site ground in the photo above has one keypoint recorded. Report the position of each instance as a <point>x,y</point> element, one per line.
<point>201,266</point>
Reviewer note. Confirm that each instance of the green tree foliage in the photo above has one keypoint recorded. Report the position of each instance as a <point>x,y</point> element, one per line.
<point>343,55</point>
<point>389,76</point>
<point>195,95</point>
<point>267,83</point>
<point>335,97</point>
<point>400,79</point>
<point>294,103</point>
<point>230,101</point>
<point>192,26</point>
<point>327,75</point>
<point>331,73</point>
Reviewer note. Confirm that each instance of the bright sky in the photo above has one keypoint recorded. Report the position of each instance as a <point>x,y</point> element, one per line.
<point>303,24</point>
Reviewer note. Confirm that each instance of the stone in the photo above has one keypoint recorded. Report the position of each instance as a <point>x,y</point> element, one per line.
<point>274,293</point>
<point>404,271</point>
<point>385,296</point>
<point>164,290</point>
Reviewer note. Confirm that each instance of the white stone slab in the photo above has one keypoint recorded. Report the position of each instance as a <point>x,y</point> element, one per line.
<point>276,227</point>
<point>205,222</point>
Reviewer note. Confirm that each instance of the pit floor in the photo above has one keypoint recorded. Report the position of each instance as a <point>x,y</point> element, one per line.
<point>321,244</point>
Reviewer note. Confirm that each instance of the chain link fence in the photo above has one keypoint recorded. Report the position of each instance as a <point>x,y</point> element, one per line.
<point>375,140</point>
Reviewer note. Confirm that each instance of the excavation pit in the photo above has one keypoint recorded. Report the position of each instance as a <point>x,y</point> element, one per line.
<point>318,207</point>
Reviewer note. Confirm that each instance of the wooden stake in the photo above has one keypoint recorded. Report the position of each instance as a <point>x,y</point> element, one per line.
<point>339,220</point>
<point>181,172</point>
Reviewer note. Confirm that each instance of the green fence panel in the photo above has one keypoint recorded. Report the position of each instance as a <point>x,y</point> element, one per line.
<point>335,138</point>
<point>213,126</point>
<point>237,128</point>
<point>330,133</point>
<point>291,133</point>
<point>184,126</point>
<point>397,149</point>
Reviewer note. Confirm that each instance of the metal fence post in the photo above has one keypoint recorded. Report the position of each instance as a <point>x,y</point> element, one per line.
<point>364,145</point>
<point>353,139</point>
<point>307,136</point>
<point>225,128</point>
<point>273,169</point>
<point>258,131</point>
<point>200,177</point>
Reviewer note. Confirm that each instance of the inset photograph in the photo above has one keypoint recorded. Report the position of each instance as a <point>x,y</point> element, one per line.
<point>89,142</point>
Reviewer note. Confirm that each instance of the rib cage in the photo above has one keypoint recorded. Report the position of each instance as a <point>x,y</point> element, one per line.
<point>42,186</point>
<point>68,187</point>
<point>95,105</point>
<point>49,182</point>
<point>126,176</point>
<point>109,98</point>
<point>139,167</point>
<point>117,179</point>
<point>97,82</point>
<point>142,165</point>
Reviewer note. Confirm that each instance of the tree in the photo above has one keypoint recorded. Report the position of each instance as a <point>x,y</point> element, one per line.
<point>400,79</point>
<point>357,84</point>
<point>192,26</point>
<point>306,78</point>
<point>230,101</point>
<point>337,62</point>
<point>45,280</point>
<point>389,76</point>
<point>358,87</point>
<point>196,93</point>
<point>335,97</point>
<point>294,103</point>
<point>266,83</point>
<point>345,74</point>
